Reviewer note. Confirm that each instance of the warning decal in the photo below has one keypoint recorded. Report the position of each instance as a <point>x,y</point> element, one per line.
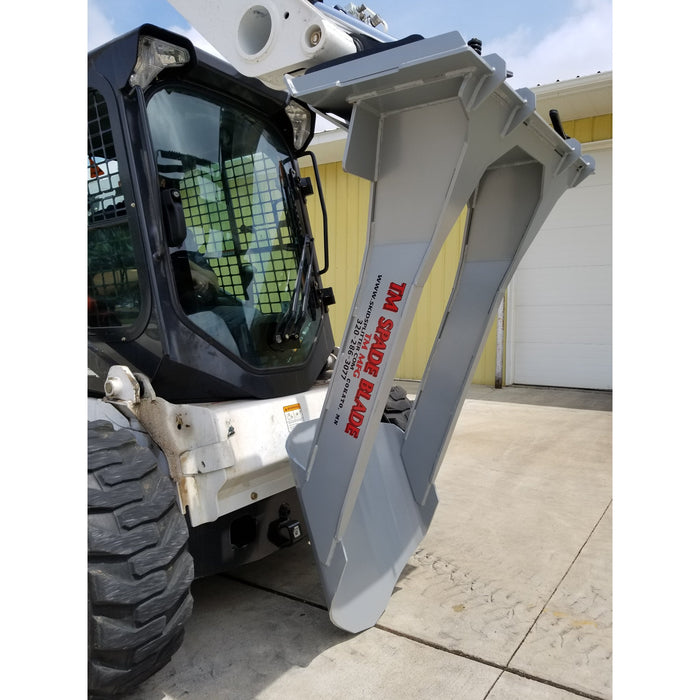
<point>293,415</point>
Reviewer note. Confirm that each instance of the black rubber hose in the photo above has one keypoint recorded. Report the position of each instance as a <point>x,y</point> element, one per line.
<point>556,123</point>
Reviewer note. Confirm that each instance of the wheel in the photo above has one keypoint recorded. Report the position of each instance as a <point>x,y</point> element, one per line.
<point>139,568</point>
<point>398,407</point>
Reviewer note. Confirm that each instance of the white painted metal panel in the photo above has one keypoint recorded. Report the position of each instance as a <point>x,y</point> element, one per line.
<point>559,326</point>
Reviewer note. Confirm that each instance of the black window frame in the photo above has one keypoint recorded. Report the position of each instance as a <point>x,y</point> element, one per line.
<point>129,217</point>
<point>222,98</point>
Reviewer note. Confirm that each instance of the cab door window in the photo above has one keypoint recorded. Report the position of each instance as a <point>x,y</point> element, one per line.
<point>244,273</point>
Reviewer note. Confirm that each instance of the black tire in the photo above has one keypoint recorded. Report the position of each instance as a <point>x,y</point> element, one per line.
<point>139,569</point>
<point>398,408</point>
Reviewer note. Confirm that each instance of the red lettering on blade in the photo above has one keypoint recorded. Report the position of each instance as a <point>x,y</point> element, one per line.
<point>357,412</point>
<point>394,294</point>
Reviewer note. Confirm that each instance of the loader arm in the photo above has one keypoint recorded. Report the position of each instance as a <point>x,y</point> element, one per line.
<point>434,126</point>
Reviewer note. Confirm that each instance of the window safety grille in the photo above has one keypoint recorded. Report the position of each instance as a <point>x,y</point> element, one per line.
<point>238,221</point>
<point>105,199</point>
<point>113,288</point>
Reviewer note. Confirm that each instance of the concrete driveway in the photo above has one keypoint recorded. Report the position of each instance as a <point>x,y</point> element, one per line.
<point>509,596</point>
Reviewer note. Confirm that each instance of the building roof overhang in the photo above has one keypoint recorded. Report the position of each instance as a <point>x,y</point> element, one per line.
<point>588,96</point>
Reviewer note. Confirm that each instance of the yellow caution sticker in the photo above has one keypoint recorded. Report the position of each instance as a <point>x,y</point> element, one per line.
<point>293,415</point>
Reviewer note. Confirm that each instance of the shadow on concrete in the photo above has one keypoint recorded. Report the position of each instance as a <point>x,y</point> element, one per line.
<point>583,399</point>
<point>239,641</point>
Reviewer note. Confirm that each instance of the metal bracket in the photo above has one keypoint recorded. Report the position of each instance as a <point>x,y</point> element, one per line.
<point>434,126</point>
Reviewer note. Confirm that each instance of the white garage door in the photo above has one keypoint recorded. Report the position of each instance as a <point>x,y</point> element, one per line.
<point>559,315</point>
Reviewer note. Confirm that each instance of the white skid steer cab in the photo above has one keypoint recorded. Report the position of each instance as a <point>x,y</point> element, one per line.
<point>224,423</point>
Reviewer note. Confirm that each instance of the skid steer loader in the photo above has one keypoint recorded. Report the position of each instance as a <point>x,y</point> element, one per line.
<point>224,423</point>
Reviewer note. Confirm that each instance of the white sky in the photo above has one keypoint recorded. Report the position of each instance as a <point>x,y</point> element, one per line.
<point>541,41</point>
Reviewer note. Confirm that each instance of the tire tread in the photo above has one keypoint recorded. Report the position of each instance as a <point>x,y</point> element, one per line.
<point>139,567</point>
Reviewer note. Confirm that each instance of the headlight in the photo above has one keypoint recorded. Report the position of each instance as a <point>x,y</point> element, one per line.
<point>302,121</point>
<point>153,56</point>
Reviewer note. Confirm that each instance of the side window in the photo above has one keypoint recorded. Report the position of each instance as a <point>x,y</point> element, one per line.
<point>113,286</point>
